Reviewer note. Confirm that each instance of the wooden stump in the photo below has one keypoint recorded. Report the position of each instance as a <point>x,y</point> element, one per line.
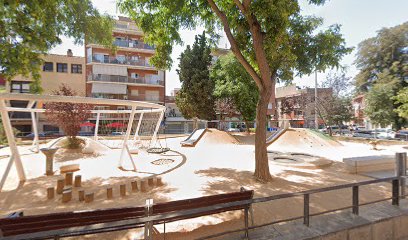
<point>68,178</point>
<point>143,185</point>
<point>159,182</point>
<point>50,193</point>
<point>150,181</point>
<point>60,185</point>
<point>78,180</point>
<point>81,195</point>
<point>89,197</point>
<point>123,190</point>
<point>66,195</point>
<point>109,193</point>
<point>134,186</point>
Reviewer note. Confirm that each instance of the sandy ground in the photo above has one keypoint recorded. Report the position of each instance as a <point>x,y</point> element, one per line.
<point>219,163</point>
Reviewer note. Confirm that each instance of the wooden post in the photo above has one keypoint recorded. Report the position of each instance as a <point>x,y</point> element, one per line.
<point>89,197</point>
<point>50,193</point>
<point>66,195</point>
<point>134,186</point>
<point>306,209</point>
<point>355,200</point>
<point>123,190</point>
<point>150,181</point>
<point>60,185</point>
<point>159,182</point>
<point>143,185</point>
<point>78,181</point>
<point>109,193</point>
<point>246,213</point>
<point>148,231</point>
<point>81,195</point>
<point>68,178</point>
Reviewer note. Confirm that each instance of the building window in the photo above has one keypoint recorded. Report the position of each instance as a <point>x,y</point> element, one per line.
<point>62,67</point>
<point>134,75</point>
<point>76,68</point>
<point>20,87</point>
<point>48,67</point>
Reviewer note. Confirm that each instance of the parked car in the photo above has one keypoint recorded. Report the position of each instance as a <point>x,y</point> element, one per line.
<point>363,134</point>
<point>233,130</point>
<point>85,134</point>
<point>402,134</point>
<point>117,133</point>
<point>31,135</point>
<point>383,133</point>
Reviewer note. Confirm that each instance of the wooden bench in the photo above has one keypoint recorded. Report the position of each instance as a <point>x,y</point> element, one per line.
<point>38,226</point>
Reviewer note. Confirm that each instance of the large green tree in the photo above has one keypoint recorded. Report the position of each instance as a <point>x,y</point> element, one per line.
<point>30,28</point>
<point>402,100</point>
<point>271,39</point>
<point>195,98</point>
<point>383,60</point>
<point>232,81</point>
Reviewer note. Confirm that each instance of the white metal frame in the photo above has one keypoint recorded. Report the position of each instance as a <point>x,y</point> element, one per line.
<point>33,99</point>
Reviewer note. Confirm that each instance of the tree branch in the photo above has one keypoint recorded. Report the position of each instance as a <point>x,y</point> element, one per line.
<point>234,45</point>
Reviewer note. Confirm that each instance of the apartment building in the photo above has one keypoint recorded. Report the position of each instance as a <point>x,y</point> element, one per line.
<point>57,70</point>
<point>127,73</point>
<point>296,105</point>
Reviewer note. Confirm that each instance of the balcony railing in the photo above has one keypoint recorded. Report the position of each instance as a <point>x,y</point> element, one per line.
<point>140,97</point>
<point>133,44</point>
<point>125,79</point>
<point>127,26</point>
<point>122,61</point>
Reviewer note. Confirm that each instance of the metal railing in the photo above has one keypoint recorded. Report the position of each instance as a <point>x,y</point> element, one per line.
<point>133,44</point>
<point>127,27</point>
<point>148,220</point>
<point>151,80</point>
<point>123,61</point>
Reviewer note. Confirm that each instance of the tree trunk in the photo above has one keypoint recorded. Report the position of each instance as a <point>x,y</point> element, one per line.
<point>247,127</point>
<point>195,123</point>
<point>262,173</point>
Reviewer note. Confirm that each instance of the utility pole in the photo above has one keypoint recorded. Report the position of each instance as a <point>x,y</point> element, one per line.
<point>315,100</point>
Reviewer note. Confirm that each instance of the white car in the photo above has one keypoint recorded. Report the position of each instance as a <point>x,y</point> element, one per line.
<point>233,130</point>
<point>384,133</point>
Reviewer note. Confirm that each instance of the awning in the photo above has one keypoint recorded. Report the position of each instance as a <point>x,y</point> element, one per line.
<point>109,88</point>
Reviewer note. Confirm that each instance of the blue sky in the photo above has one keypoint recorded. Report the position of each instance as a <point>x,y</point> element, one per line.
<point>360,19</point>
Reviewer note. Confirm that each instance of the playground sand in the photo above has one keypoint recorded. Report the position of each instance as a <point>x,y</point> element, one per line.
<point>209,168</point>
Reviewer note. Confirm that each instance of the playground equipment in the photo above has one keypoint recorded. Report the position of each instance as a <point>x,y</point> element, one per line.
<point>193,138</point>
<point>147,122</point>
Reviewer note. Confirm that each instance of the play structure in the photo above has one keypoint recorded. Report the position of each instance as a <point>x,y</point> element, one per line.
<point>193,138</point>
<point>142,119</point>
<point>208,137</point>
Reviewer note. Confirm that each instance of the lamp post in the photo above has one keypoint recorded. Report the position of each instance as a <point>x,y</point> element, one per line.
<point>315,100</point>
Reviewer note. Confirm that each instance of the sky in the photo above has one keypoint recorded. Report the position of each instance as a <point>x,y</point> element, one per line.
<point>360,19</point>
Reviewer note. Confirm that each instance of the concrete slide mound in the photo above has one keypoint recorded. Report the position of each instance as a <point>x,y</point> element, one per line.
<point>214,137</point>
<point>303,139</point>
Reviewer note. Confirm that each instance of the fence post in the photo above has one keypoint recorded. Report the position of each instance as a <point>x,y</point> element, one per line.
<point>395,192</point>
<point>148,231</point>
<point>306,209</point>
<point>355,200</point>
<point>401,170</point>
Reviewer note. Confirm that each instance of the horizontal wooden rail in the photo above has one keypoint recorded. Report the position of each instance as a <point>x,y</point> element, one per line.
<point>124,224</point>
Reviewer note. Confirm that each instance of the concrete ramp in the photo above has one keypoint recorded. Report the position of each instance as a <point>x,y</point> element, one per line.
<point>193,138</point>
<point>275,136</point>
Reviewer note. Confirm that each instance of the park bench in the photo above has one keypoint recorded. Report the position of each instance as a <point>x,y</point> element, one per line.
<point>64,224</point>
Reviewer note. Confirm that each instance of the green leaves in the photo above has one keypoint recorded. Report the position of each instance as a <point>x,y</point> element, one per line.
<point>30,28</point>
<point>195,98</point>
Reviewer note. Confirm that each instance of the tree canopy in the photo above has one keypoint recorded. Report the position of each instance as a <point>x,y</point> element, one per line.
<point>271,40</point>
<point>233,82</point>
<point>195,98</point>
<point>387,51</point>
<point>30,28</point>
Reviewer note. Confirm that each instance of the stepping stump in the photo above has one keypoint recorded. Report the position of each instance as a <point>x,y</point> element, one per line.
<point>159,182</point>
<point>68,178</point>
<point>78,180</point>
<point>123,190</point>
<point>50,193</point>
<point>150,181</point>
<point>81,195</point>
<point>134,186</point>
<point>60,185</point>
<point>66,195</point>
<point>143,185</point>
<point>89,197</point>
<point>109,193</point>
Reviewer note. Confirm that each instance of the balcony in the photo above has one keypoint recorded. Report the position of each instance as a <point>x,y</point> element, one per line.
<point>150,80</point>
<point>140,97</point>
<point>127,26</point>
<point>121,60</point>
<point>133,44</point>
